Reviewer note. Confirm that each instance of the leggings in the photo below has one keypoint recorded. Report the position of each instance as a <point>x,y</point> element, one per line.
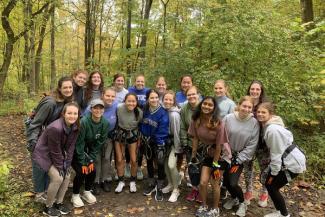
<point>150,163</point>
<point>274,190</point>
<point>80,178</point>
<point>231,181</point>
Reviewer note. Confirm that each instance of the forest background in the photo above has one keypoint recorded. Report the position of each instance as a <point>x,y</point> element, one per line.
<point>280,42</point>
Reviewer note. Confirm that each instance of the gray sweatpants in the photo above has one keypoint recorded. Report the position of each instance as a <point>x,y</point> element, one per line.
<point>104,169</point>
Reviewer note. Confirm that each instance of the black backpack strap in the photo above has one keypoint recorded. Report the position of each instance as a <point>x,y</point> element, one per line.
<point>287,152</point>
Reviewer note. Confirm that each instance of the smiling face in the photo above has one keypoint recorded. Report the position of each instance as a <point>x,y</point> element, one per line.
<point>66,89</point>
<point>80,79</point>
<point>161,86</point>
<point>119,83</point>
<point>97,112</point>
<point>255,90</point>
<point>130,102</point>
<point>153,100</point>
<point>96,80</point>
<point>245,108</point>
<point>139,82</point>
<point>70,115</point>
<point>186,83</point>
<point>109,97</point>
<point>263,115</point>
<point>207,106</point>
<point>168,101</point>
<point>192,96</point>
<point>220,89</point>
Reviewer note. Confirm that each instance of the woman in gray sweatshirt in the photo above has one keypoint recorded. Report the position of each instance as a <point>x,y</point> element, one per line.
<point>243,132</point>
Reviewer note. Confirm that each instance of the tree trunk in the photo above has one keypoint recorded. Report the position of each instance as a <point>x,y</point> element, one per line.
<point>164,22</point>
<point>53,68</point>
<point>307,13</point>
<point>128,42</point>
<point>87,34</point>
<point>26,59</point>
<point>32,76</point>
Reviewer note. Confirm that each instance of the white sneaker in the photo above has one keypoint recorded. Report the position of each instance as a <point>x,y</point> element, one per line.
<point>133,187</point>
<point>139,174</point>
<point>120,187</point>
<point>89,197</point>
<point>174,196</point>
<point>231,203</point>
<point>276,214</point>
<point>167,189</point>
<point>76,201</point>
<point>241,210</point>
<point>213,213</point>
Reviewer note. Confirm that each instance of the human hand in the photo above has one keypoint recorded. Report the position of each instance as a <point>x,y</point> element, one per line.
<point>91,167</point>
<point>84,169</point>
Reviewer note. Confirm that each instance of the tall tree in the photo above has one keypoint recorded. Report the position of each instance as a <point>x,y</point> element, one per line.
<point>128,42</point>
<point>53,68</point>
<point>307,12</point>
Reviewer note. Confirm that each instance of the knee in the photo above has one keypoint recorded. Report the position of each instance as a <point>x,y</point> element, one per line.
<point>204,183</point>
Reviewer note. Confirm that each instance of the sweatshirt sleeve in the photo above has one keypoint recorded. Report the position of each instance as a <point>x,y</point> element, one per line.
<point>80,144</point>
<point>232,106</point>
<point>162,129</point>
<point>94,149</point>
<point>276,143</point>
<point>54,140</point>
<point>249,150</point>
<point>43,113</point>
<point>175,129</point>
<point>183,130</point>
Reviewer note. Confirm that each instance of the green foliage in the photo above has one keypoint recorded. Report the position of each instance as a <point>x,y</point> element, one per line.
<point>4,172</point>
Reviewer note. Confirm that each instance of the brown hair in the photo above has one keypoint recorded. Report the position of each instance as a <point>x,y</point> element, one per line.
<point>78,71</point>
<point>268,106</point>
<point>118,75</point>
<point>192,87</point>
<point>58,96</point>
<point>161,78</point>
<point>246,98</point>
<point>75,105</point>
<point>171,93</point>
<point>89,86</point>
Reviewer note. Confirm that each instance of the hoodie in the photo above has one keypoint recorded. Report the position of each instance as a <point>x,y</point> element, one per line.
<point>278,139</point>
<point>243,135</point>
<point>226,106</point>
<point>174,127</point>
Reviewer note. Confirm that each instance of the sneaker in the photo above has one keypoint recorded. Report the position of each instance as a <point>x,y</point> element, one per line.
<point>96,188</point>
<point>76,201</point>
<point>181,177</point>
<point>231,203</point>
<point>89,197</point>
<point>120,187</point>
<point>167,189</point>
<point>241,210</point>
<point>262,202</point>
<point>133,187</point>
<point>174,196</point>
<point>198,198</point>
<point>159,195</point>
<point>213,213</point>
<point>223,193</point>
<point>202,211</point>
<point>248,196</point>
<point>127,171</point>
<point>40,198</point>
<point>139,174</point>
<point>51,211</point>
<point>62,208</point>
<point>274,214</point>
<point>192,195</point>
<point>106,185</point>
<point>150,189</point>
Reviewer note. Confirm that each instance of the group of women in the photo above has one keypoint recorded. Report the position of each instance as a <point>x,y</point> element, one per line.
<point>218,139</point>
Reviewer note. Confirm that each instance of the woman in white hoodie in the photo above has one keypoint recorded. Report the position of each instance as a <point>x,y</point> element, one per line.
<point>287,161</point>
<point>243,131</point>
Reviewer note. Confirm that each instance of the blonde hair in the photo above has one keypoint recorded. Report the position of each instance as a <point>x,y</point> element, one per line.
<point>171,93</point>
<point>225,85</point>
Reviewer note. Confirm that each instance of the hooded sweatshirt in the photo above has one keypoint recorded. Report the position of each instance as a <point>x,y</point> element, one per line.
<point>226,106</point>
<point>186,118</point>
<point>243,135</point>
<point>278,139</point>
<point>174,127</point>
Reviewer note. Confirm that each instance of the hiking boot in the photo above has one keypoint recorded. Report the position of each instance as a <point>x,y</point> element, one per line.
<point>76,201</point>
<point>174,196</point>
<point>167,189</point>
<point>120,187</point>
<point>212,213</point>
<point>231,203</point>
<point>159,195</point>
<point>262,202</point>
<point>51,211</point>
<point>127,171</point>
<point>106,185</point>
<point>202,211</point>
<point>241,210</point>
<point>96,188</point>
<point>62,208</point>
<point>139,174</point>
<point>89,197</point>
<point>151,187</point>
<point>192,195</point>
<point>133,187</point>
<point>248,196</point>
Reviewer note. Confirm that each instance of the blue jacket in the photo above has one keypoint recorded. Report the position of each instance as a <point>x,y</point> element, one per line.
<point>181,98</point>
<point>141,95</point>
<point>155,124</point>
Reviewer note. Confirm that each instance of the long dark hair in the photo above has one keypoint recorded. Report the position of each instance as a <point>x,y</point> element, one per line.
<point>75,105</point>
<point>58,96</point>
<point>262,97</point>
<point>214,120</point>
<point>89,85</point>
<point>150,91</point>
<point>136,109</point>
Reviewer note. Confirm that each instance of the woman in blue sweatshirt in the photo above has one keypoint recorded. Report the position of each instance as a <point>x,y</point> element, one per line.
<point>154,129</point>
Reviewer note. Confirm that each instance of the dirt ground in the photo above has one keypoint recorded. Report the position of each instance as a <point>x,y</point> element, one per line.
<point>302,199</point>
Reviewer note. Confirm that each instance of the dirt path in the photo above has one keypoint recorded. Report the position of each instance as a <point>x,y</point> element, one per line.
<point>300,201</point>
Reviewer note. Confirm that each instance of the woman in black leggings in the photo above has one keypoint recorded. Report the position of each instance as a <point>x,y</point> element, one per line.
<point>287,161</point>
